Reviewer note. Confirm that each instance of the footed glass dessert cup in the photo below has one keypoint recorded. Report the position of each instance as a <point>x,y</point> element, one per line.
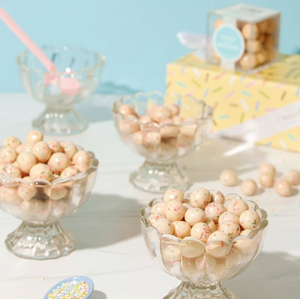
<point>40,236</point>
<point>203,267</point>
<point>162,143</point>
<point>78,74</point>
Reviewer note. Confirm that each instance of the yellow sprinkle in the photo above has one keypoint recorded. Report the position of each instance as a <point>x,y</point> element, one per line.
<point>272,210</point>
<point>255,199</point>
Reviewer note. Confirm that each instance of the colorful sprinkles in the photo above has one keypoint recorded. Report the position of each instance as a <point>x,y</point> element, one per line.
<point>70,290</point>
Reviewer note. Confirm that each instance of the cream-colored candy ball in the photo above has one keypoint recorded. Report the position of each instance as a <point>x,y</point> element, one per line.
<point>159,208</point>
<point>261,57</point>
<point>218,248</point>
<point>42,151</point>
<point>153,217</point>
<point>200,198</point>
<point>250,31</point>
<point>56,192</point>
<point>137,138</point>
<point>34,136</point>
<point>233,258</point>
<point>245,245</point>
<point>152,138</point>
<point>249,220</point>
<point>59,161</point>
<point>168,129</point>
<point>217,196</point>
<point>26,192</point>
<point>218,23</point>
<point>41,172</point>
<point>1,167</point>
<point>69,172</point>
<point>205,263</point>
<point>173,194</point>
<point>12,141</point>
<point>175,211</point>
<point>70,150</point>
<point>248,61</point>
<point>189,127</point>
<point>253,46</point>
<point>293,177</point>
<point>177,120</point>
<point>263,26</point>
<point>10,195</point>
<point>211,224</point>
<point>82,157</point>
<point>12,171</point>
<point>164,226</point>
<point>129,126</point>
<point>194,215</point>
<point>214,210</point>
<point>26,147</point>
<point>126,109</point>
<point>266,180</point>
<point>267,168</point>
<point>271,27</point>
<point>171,253</point>
<point>81,167</point>
<point>283,188</point>
<point>26,160</point>
<point>191,248</point>
<point>269,42</point>
<point>174,108</point>
<point>228,217</point>
<point>228,177</point>
<point>181,229</point>
<point>55,146</point>
<point>145,119</point>
<point>230,228</point>
<point>8,155</point>
<point>200,231</point>
<point>33,206</point>
<point>237,206</point>
<point>249,187</point>
<point>158,113</point>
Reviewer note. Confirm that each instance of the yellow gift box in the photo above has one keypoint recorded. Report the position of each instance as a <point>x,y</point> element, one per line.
<point>263,107</point>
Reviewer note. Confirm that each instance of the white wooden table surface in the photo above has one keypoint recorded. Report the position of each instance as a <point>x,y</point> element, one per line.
<point>110,248</point>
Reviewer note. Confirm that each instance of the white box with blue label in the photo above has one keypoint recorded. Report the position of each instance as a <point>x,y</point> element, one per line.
<point>242,37</point>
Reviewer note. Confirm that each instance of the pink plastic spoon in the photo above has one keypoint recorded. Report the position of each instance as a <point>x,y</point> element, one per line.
<point>69,86</point>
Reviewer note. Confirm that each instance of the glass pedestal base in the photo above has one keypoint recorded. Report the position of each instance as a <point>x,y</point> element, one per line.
<point>158,178</point>
<point>191,291</point>
<point>59,122</point>
<point>40,242</point>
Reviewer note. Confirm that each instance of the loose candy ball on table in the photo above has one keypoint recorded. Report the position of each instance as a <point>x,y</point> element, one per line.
<point>26,160</point>
<point>34,136</point>
<point>164,226</point>
<point>8,155</point>
<point>267,168</point>
<point>200,231</point>
<point>293,177</point>
<point>200,198</point>
<point>12,171</point>
<point>214,211</point>
<point>237,206</point>
<point>12,141</point>
<point>41,172</point>
<point>266,180</point>
<point>283,188</point>
<point>228,177</point>
<point>249,187</point>
<point>175,211</point>
<point>42,151</point>
<point>194,215</point>
<point>249,220</point>
<point>55,146</point>
<point>181,229</point>
<point>59,161</point>
<point>173,194</point>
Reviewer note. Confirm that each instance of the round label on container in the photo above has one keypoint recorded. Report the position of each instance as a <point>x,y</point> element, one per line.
<point>229,43</point>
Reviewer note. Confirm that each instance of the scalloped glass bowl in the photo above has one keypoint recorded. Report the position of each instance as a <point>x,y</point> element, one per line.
<point>59,117</point>
<point>202,267</point>
<point>160,171</point>
<point>40,236</point>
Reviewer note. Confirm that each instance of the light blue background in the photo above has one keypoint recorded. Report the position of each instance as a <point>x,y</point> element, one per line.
<point>138,37</point>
